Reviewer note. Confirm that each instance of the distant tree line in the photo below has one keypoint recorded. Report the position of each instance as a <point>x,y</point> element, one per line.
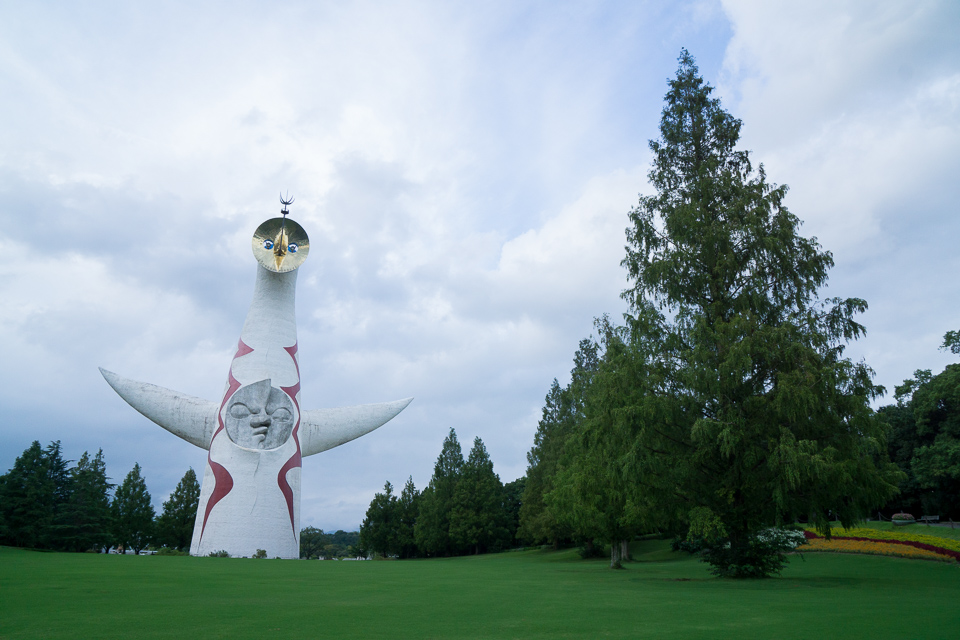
<point>465,509</point>
<point>315,544</point>
<point>924,439</point>
<point>47,504</point>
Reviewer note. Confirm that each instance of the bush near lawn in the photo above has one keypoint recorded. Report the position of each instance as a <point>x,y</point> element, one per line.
<point>933,544</point>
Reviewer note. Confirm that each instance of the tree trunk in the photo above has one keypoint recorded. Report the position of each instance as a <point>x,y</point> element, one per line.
<point>615,551</point>
<point>625,551</point>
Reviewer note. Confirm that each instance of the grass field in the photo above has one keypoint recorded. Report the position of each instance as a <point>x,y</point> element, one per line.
<point>927,530</point>
<point>529,594</point>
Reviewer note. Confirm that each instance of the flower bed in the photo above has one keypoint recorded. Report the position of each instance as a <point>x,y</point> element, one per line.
<point>907,536</point>
<point>941,547</point>
<point>873,547</point>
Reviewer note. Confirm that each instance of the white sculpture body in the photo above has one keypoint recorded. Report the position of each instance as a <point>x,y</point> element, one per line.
<point>258,434</point>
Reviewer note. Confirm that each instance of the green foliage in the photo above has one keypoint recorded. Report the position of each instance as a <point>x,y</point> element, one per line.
<point>563,412</point>
<point>168,551</point>
<point>311,543</point>
<point>218,554</point>
<point>408,506</point>
<point>432,529</point>
<point>925,440</point>
<point>46,505</point>
<point>87,512</point>
<point>513,502</point>
<point>751,415</point>
<point>174,526</point>
<point>261,554</point>
<point>478,516</point>
<point>951,342</point>
<point>764,554</point>
<point>314,543</point>
<point>28,496</point>
<point>378,533</point>
<point>132,513</point>
<point>600,488</point>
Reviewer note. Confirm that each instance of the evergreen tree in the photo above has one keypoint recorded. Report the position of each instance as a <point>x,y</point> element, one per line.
<point>598,488</point>
<point>378,533</point>
<point>562,413</point>
<point>432,530</point>
<point>758,415</point>
<point>513,501</point>
<point>478,517</point>
<point>88,508</point>
<point>174,526</point>
<point>407,508</point>
<point>132,513</point>
<point>28,496</point>
<point>58,534</point>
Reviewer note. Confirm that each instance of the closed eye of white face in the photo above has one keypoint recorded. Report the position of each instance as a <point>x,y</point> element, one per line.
<point>281,413</point>
<point>240,411</point>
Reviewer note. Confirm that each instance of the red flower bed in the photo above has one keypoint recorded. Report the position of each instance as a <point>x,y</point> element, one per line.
<point>810,535</point>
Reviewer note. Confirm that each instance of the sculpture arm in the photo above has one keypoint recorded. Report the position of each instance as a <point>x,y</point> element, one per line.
<point>187,417</point>
<point>322,429</point>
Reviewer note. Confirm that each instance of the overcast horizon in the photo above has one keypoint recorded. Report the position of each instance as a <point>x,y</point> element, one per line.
<point>464,173</point>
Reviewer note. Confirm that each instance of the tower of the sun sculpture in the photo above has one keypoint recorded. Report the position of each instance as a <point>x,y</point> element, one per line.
<point>257,434</point>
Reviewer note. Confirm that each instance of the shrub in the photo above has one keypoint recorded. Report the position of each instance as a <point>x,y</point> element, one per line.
<point>218,554</point>
<point>167,551</point>
<point>695,544</point>
<point>764,554</point>
<point>898,517</point>
<point>260,554</point>
<point>590,550</point>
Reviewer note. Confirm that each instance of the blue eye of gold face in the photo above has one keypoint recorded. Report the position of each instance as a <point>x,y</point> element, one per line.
<point>268,244</point>
<point>292,247</point>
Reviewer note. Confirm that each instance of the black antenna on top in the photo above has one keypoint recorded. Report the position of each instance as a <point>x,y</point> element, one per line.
<point>286,203</point>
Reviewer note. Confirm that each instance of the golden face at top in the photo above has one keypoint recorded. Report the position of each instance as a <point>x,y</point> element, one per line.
<point>280,245</point>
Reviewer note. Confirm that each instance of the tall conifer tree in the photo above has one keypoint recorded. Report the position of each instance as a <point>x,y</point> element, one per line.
<point>478,517</point>
<point>432,531</point>
<point>174,526</point>
<point>132,512</point>
<point>759,418</point>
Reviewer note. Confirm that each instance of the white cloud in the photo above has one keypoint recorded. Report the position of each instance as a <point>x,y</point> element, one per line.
<point>856,105</point>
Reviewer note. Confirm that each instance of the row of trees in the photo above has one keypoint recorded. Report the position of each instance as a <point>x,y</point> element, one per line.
<point>314,544</point>
<point>465,509</point>
<point>46,504</point>
<point>925,439</point>
<point>724,404</point>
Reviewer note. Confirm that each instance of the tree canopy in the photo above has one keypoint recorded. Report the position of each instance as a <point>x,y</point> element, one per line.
<point>132,512</point>
<point>174,526</point>
<point>754,409</point>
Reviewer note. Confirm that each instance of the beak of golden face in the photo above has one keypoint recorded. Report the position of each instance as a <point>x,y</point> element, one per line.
<point>280,247</point>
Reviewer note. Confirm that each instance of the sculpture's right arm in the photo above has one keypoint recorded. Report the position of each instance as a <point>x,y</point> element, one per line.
<point>187,417</point>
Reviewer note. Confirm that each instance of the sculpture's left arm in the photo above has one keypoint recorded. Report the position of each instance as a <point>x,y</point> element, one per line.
<point>322,429</point>
<point>188,417</point>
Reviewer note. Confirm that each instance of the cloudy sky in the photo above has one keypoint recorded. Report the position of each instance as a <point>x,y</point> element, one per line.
<point>464,171</point>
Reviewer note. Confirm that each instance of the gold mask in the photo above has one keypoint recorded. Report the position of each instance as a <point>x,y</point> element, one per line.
<point>280,245</point>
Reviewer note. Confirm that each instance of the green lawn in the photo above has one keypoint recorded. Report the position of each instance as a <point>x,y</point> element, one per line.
<point>530,594</point>
<point>927,530</point>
